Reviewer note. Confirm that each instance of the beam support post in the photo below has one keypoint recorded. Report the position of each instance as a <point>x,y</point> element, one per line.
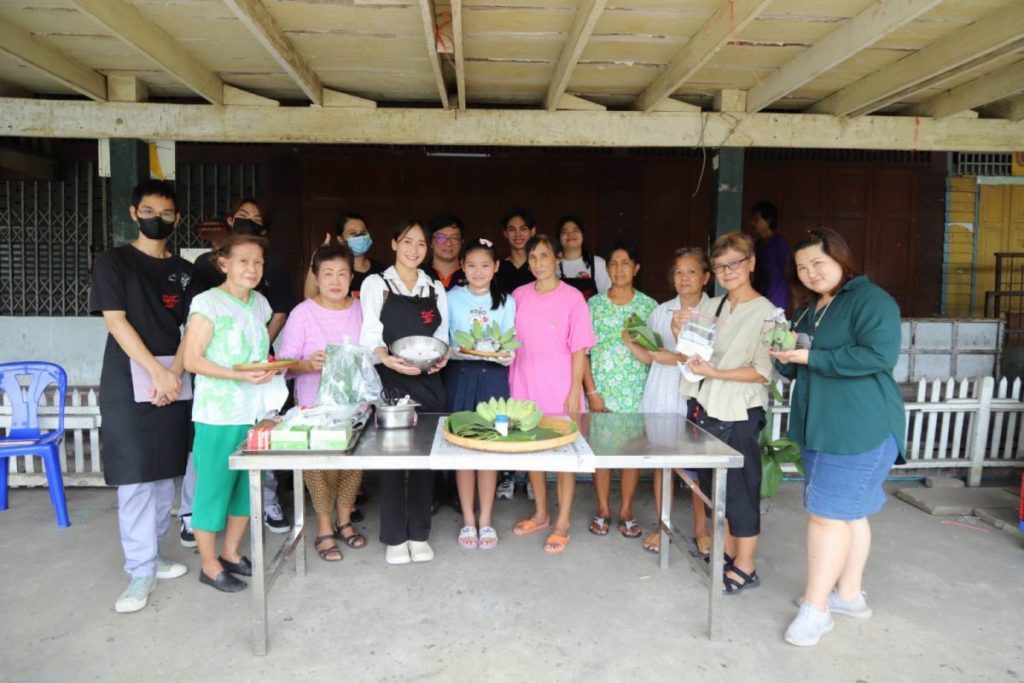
<point>129,165</point>
<point>728,209</point>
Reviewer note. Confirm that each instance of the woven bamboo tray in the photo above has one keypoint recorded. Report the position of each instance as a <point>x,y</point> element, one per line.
<point>484,354</point>
<point>565,426</point>
<point>282,364</point>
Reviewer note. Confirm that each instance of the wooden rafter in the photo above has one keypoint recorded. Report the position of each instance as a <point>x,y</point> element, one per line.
<point>429,16</point>
<point>731,17</point>
<point>265,29</point>
<point>131,27</point>
<point>516,127</point>
<point>21,45</point>
<point>579,33</point>
<point>861,31</point>
<point>1011,108</point>
<point>984,38</point>
<point>460,62</point>
<point>997,85</point>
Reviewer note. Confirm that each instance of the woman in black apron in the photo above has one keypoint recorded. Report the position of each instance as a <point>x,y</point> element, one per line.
<point>573,255</point>
<point>400,302</point>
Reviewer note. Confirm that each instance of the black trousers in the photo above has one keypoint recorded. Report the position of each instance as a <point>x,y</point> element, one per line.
<point>743,484</point>
<point>405,505</point>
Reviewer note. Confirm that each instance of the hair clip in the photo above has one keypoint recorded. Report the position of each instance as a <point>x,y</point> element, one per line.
<point>487,243</point>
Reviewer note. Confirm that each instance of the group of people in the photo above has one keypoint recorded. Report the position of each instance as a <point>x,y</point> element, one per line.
<point>567,308</point>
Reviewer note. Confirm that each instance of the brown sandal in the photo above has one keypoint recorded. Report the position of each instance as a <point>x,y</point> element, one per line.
<point>355,541</point>
<point>332,554</point>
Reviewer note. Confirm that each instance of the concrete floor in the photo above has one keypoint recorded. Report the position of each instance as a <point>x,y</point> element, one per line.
<point>947,605</point>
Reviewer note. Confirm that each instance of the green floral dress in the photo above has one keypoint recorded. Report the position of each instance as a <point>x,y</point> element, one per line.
<point>619,377</point>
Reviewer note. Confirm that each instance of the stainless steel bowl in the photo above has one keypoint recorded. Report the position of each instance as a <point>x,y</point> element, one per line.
<point>419,350</point>
<point>397,417</point>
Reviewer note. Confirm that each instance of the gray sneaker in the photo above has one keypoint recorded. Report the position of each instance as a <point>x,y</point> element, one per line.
<point>856,609</point>
<point>809,626</point>
<point>136,595</point>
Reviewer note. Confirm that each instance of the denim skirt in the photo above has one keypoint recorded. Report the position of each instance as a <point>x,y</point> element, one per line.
<point>847,487</point>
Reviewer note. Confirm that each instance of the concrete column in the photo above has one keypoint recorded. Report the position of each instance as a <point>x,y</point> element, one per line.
<point>728,209</point>
<point>129,165</point>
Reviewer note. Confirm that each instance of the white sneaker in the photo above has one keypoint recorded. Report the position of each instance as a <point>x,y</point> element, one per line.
<point>420,551</point>
<point>856,609</point>
<point>166,569</point>
<point>529,491</point>
<point>809,626</point>
<point>136,595</point>
<point>398,554</point>
<point>506,489</point>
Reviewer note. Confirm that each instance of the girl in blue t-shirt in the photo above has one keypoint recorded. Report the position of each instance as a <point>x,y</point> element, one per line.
<point>471,378</point>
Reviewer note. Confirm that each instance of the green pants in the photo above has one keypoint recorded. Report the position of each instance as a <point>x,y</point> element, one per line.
<point>219,491</point>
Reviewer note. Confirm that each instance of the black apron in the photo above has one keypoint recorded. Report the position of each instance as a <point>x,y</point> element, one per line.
<point>404,316</point>
<point>586,285</point>
<point>139,441</point>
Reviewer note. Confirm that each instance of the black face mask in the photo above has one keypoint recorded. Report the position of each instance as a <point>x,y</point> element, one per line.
<point>155,228</point>
<point>245,226</point>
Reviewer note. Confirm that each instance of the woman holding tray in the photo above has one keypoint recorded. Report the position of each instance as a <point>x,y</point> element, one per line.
<point>331,316</point>
<point>471,379</point>
<point>553,325</point>
<point>227,326</point>
<point>400,302</point>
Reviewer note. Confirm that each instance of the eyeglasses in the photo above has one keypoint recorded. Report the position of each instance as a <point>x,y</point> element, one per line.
<point>731,267</point>
<point>445,239</point>
<point>166,216</point>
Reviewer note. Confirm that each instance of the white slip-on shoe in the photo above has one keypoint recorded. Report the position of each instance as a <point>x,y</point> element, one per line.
<point>809,626</point>
<point>136,595</point>
<point>856,609</point>
<point>398,554</point>
<point>166,569</point>
<point>420,551</point>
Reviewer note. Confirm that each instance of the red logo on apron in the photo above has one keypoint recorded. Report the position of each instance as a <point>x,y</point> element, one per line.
<point>427,317</point>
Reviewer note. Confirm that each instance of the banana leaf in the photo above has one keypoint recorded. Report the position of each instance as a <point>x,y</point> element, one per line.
<point>641,333</point>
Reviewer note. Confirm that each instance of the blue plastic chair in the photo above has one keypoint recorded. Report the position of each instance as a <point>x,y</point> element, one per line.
<point>24,437</point>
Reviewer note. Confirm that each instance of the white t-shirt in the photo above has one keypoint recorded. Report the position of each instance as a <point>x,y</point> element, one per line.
<point>577,268</point>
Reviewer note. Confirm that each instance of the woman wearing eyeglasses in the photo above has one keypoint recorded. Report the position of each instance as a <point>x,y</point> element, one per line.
<point>729,401</point>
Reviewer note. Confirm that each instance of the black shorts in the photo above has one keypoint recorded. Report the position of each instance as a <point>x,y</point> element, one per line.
<point>743,484</point>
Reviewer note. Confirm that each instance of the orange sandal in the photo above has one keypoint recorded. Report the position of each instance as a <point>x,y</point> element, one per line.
<point>556,544</point>
<point>527,526</point>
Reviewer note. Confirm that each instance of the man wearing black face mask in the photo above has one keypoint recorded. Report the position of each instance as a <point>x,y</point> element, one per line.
<point>143,292</point>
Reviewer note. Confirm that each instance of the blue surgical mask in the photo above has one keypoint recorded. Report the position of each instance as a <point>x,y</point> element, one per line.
<point>360,244</point>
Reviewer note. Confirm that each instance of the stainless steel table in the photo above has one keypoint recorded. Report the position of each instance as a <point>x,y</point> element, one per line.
<point>663,441</point>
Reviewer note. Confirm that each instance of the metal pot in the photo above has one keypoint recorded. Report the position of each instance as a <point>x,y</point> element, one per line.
<point>396,417</point>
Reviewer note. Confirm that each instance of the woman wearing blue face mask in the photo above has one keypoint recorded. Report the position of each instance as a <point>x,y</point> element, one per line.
<point>353,231</point>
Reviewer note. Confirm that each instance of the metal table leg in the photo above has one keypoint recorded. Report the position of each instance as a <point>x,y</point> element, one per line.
<point>300,524</point>
<point>717,549</point>
<point>258,587</point>
<point>666,517</point>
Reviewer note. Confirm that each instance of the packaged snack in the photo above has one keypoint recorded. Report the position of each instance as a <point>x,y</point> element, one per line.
<point>287,437</point>
<point>331,437</point>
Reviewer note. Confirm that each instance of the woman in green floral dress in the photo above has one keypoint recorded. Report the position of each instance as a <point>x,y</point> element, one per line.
<point>616,381</point>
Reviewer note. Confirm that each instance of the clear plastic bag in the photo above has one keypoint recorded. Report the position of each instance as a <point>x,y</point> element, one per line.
<point>696,340</point>
<point>348,377</point>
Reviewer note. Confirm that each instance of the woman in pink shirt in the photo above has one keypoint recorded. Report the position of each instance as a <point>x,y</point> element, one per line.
<point>330,317</point>
<point>553,325</point>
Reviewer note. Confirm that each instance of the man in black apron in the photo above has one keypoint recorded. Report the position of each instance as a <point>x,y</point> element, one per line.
<point>405,509</point>
<point>143,293</point>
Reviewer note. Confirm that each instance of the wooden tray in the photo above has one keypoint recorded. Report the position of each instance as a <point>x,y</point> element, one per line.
<point>282,364</point>
<point>484,354</point>
<point>565,426</point>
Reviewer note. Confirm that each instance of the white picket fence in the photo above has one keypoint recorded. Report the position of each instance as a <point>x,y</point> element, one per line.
<point>969,424</point>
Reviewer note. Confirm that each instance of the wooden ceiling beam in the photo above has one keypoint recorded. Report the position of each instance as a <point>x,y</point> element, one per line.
<point>860,32</point>
<point>131,27</point>
<point>997,85</point>
<point>255,17</point>
<point>460,62</point>
<point>429,16</point>
<point>731,17</point>
<point>503,127</point>
<point>24,47</point>
<point>576,40</point>
<point>1011,108</point>
<point>984,37</point>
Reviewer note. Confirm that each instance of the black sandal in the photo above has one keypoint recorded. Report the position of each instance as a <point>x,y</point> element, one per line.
<point>355,541</point>
<point>326,554</point>
<point>732,586</point>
